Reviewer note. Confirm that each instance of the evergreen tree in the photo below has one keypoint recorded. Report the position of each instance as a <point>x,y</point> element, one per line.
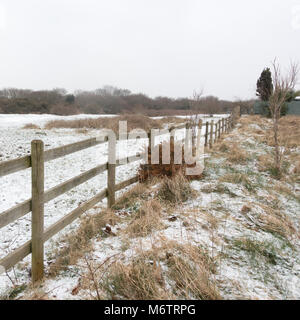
<point>264,85</point>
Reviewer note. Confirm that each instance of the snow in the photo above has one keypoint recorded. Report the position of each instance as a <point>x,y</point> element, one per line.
<point>16,188</point>
<point>18,121</point>
<point>237,276</point>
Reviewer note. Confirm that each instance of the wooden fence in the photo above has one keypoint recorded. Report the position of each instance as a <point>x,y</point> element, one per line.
<point>36,161</point>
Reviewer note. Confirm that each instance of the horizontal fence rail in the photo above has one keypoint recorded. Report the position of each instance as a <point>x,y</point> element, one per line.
<point>36,160</point>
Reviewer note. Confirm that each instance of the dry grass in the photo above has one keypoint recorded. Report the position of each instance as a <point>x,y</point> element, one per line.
<point>191,269</point>
<point>289,131</point>
<point>237,155</point>
<point>251,119</point>
<point>260,252</point>
<point>130,198</point>
<point>78,243</point>
<point>175,190</point>
<point>147,275</point>
<point>273,221</point>
<point>223,147</point>
<point>133,122</point>
<point>31,126</point>
<point>82,131</point>
<point>232,152</point>
<point>238,178</point>
<point>146,220</point>
<point>139,280</point>
<point>296,169</point>
<point>173,120</point>
<point>245,209</point>
<point>150,170</point>
<point>266,163</point>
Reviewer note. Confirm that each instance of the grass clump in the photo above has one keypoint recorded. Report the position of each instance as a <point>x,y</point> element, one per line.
<point>139,280</point>
<point>147,276</point>
<point>274,221</point>
<point>13,293</point>
<point>191,269</point>
<point>239,178</point>
<point>237,155</point>
<point>31,126</point>
<point>257,250</point>
<point>175,190</point>
<point>130,199</point>
<point>219,188</point>
<point>145,220</point>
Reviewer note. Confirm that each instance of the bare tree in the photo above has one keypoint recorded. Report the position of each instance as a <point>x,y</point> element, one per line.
<point>283,85</point>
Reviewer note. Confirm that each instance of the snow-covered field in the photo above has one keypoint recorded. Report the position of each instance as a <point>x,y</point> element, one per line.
<point>15,188</point>
<point>216,221</point>
<point>20,120</point>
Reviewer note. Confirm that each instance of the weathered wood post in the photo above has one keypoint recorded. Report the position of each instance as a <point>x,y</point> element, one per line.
<point>37,219</point>
<point>206,133</point>
<point>211,141</point>
<point>223,125</point>
<point>219,129</point>
<point>111,172</point>
<point>198,139</point>
<point>187,135</point>
<point>216,132</point>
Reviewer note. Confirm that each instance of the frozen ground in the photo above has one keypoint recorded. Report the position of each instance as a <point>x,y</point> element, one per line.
<point>216,221</point>
<point>15,188</point>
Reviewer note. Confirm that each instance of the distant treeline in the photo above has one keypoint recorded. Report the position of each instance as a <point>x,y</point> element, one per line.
<point>108,100</point>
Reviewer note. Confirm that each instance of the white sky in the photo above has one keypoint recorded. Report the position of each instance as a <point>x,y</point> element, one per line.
<point>157,47</point>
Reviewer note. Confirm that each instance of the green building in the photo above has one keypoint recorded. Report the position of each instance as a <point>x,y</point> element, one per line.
<point>293,107</point>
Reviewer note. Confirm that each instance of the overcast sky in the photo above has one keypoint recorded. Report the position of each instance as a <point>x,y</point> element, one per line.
<point>157,47</point>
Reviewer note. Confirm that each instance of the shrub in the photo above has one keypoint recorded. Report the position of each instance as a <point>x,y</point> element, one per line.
<point>175,190</point>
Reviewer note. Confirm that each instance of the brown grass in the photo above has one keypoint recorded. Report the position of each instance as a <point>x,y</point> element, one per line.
<point>133,122</point>
<point>129,198</point>
<point>77,243</point>
<point>237,155</point>
<point>146,220</point>
<point>171,169</point>
<point>175,190</point>
<point>192,270</point>
<point>189,267</point>
<point>251,119</point>
<point>274,221</point>
<point>173,120</point>
<point>238,178</point>
<point>232,152</point>
<point>31,126</point>
<point>289,133</point>
<point>139,280</point>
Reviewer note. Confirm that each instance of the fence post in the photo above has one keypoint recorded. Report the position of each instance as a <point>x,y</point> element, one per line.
<point>111,183</point>
<point>111,172</point>
<point>37,219</point>
<point>206,133</point>
<point>219,131</point>
<point>211,133</point>
<point>223,125</point>
<point>187,142</point>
